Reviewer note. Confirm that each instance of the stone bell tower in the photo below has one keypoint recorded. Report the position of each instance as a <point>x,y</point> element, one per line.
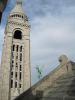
<point>15,65</point>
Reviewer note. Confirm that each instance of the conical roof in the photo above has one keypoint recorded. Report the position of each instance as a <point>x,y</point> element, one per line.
<point>18,8</point>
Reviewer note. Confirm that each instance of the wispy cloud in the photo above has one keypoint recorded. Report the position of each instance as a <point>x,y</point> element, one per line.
<point>41,7</point>
<point>52,34</point>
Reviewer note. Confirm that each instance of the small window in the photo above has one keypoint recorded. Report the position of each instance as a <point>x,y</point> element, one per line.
<point>17,48</point>
<point>22,16</point>
<point>18,15</point>
<point>12,61</point>
<point>20,76</point>
<point>18,35</point>
<point>16,75</point>
<point>16,64</point>
<point>19,85</point>
<point>11,83</point>
<point>15,84</point>
<point>12,16</point>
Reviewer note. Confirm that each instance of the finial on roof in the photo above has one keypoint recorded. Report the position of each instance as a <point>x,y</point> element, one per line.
<point>19,1</point>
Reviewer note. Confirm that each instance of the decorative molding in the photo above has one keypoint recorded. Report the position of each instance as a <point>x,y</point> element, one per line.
<point>20,24</point>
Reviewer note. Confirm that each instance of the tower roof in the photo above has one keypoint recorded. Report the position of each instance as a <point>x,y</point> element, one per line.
<point>18,8</point>
<point>19,1</point>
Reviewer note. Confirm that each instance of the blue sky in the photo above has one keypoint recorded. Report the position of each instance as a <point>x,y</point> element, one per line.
<point>52,31</point>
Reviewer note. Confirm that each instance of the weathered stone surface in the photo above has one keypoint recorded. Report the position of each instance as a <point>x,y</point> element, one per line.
<point>58,85</point>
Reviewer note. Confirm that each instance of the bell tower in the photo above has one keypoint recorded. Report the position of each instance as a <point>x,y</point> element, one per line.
<point>15,65</point>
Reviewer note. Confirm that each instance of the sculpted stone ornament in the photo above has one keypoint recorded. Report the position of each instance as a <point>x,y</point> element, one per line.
<point>63,59</point>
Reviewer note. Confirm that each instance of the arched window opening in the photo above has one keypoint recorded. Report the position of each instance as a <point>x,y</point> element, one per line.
<point>18,35</point>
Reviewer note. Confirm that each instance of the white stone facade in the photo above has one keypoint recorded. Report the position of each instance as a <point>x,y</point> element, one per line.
<point>15,65</point>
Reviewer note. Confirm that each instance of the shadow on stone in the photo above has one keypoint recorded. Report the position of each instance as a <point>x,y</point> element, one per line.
<point>71,90</point>
<point>29,96</point>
